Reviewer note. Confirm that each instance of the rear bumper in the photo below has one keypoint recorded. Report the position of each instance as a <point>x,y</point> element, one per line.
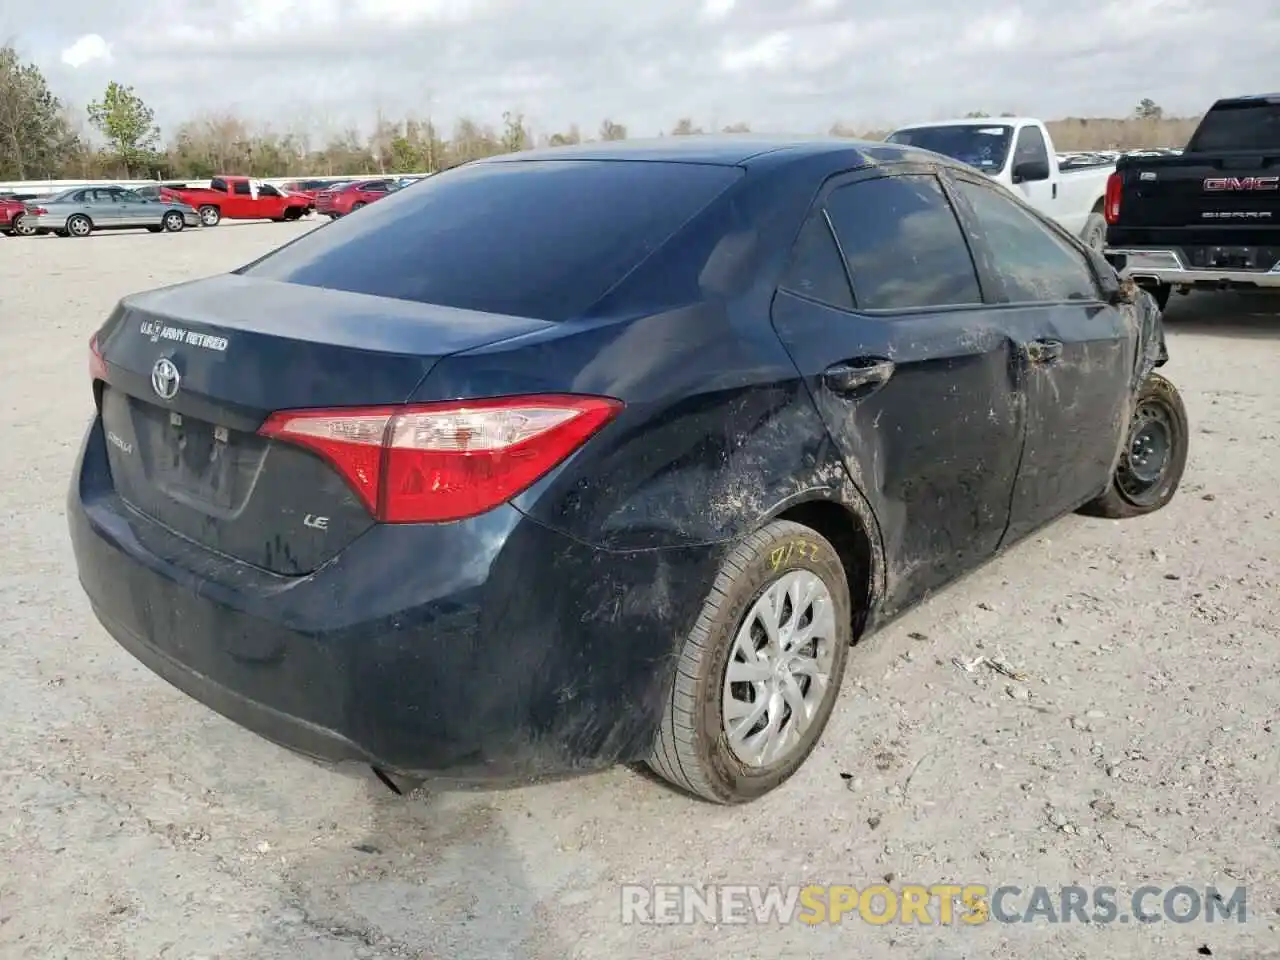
<point>1164,265</point>
<point>491,650</point>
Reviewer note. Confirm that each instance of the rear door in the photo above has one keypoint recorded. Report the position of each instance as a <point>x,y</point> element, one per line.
<point>883,312</point>
<point>1075,351</point>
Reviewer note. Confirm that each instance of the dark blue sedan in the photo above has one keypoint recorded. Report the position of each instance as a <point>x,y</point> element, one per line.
<point>603,454</point>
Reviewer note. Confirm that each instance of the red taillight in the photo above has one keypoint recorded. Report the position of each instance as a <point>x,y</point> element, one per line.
<point>435,462</point>
<point>37,211</point>
<point>1111,202</point>
<point>97,366</point>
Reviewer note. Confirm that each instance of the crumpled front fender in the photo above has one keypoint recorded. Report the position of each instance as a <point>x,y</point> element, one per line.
<point>1152,350</point>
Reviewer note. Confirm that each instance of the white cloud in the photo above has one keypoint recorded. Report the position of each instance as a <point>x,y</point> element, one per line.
<point>87,49</point>
<point>794,67</point>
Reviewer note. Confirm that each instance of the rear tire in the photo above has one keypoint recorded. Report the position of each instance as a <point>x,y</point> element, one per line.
<point>210,216</point>
<point>1094,233</point>
<point>21,228</point>
<point>357,205</point>
<point>727,763</point>
<point>78,225</point>
<point>1154,457</point>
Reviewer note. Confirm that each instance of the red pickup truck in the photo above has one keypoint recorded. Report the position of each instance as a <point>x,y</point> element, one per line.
<point>242,198</point>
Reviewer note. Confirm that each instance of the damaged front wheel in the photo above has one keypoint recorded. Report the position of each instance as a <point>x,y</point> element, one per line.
<point>1154,456</point>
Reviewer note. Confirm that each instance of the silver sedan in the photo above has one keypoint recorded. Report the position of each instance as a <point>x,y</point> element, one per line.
<point>80,211</point>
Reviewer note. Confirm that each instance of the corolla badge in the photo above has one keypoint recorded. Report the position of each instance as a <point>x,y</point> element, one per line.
<point>165,379</point>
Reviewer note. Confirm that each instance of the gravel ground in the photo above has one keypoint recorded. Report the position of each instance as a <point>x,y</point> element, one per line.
<point>1141,748</point>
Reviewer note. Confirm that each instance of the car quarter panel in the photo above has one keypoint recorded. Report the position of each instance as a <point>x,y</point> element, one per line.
<point>514,651</point>
<point>718,433</point>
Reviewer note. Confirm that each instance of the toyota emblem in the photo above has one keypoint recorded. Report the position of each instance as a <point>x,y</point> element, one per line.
<point>165,379</point>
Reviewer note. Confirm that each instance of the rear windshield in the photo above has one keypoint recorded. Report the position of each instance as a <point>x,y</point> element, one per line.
<point>984,147</point>
<point>543,239</point>
<point>1239,126</point>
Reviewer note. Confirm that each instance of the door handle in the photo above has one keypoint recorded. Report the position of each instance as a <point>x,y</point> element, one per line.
<point>853,376</point>
<point>1044,351</point>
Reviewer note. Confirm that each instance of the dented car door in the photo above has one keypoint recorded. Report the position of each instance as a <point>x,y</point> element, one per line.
<point>883,312</point>
<point>1075,354</point>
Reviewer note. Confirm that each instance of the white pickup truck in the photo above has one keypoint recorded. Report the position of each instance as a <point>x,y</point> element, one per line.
<point>1018,152</point>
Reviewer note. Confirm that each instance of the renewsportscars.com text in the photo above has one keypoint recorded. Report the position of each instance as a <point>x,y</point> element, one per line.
<point>934,904</point>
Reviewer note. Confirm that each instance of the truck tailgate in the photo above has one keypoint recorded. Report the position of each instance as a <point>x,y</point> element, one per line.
<point>1237,190</point>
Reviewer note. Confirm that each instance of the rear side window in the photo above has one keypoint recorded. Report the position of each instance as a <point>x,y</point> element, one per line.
<point>816,270</point>
<point>1251,125</point>
<point>903,244</point>
<point>543,239</point>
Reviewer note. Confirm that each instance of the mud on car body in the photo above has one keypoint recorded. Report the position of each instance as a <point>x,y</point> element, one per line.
<point>465,495</point>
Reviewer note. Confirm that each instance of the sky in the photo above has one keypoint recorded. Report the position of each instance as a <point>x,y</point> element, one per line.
<point>785,66</point>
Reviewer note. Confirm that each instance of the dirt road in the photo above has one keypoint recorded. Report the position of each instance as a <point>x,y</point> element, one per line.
<point>1141,747</point>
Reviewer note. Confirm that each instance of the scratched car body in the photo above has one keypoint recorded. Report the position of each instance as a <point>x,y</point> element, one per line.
<point>603,454</point>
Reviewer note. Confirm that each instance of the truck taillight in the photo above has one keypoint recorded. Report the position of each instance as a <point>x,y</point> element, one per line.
<point>97,366</point>
<point>1111,202</point>
<point>437,462</point>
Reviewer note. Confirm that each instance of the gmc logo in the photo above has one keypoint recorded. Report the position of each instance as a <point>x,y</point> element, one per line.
<point>1221,184</point>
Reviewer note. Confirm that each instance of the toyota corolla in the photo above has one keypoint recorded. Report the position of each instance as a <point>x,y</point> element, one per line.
<point>603,454</point>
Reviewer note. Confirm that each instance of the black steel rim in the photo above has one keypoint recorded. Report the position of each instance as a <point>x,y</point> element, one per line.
<point>1147,455</point>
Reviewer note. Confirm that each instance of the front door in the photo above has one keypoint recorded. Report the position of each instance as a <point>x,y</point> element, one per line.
<point>133,209</point>
<point>103,209</point>
<point>883,313</point>
<point>1077,354</point>
<point>271,202</point>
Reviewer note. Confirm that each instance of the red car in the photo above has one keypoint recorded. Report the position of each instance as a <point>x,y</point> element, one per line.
<point>11,212</point>
<point>350,198</point>
<point>307,189</point>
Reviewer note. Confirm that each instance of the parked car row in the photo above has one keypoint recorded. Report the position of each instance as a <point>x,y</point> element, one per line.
<point>171,208</point>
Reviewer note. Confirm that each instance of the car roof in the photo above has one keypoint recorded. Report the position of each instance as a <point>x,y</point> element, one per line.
<point>720,149</point>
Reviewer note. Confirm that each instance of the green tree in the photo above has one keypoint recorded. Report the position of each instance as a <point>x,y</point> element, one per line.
<point>128,124</point>
<point>1148,109</point>
<point>612,131</point>
<point>35,138</point>
<point>515,134</point>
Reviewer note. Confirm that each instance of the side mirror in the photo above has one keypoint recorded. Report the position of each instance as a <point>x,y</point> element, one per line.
<point>1115,290</point>
<point>1030,171</point>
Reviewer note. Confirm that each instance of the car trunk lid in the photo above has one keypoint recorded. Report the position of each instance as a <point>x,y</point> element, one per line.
<point>193,371</point>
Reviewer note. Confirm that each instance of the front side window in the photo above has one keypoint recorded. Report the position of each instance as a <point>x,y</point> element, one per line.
<point>1030,147</point>
<point>1034,264</point>
<point>903,245</point>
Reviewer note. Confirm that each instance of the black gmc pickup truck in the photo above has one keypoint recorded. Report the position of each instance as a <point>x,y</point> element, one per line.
<point>1208,218</point>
